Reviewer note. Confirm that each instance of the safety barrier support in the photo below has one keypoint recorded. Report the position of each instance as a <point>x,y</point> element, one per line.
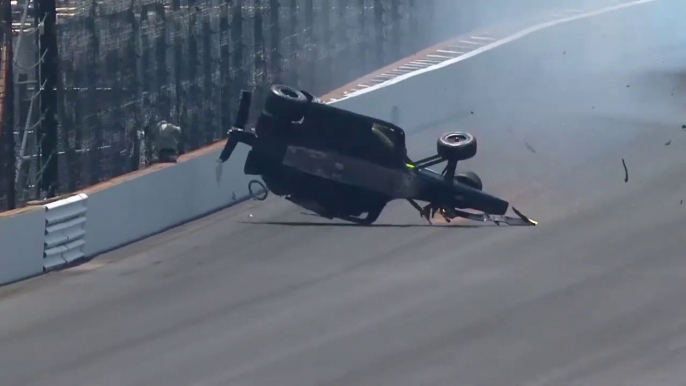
<point>65,231</point>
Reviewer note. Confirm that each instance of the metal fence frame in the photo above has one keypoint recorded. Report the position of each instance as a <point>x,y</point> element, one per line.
<point>102,73</point>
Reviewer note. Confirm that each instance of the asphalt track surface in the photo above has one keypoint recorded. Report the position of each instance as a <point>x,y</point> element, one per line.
<point>592,296</point>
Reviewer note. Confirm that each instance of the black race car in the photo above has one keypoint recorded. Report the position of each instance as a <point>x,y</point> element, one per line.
<point>341,164</point>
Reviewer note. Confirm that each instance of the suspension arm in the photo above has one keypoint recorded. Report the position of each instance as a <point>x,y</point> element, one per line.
<point>237,135</point>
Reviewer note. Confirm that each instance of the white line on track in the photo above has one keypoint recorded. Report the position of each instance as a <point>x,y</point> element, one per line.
<point>430,61</point>
<point>450,52</point>
<point>491,46</point>
<point>482,38</point>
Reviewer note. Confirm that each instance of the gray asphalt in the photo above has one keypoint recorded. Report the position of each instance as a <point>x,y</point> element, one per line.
<point>260,294</point>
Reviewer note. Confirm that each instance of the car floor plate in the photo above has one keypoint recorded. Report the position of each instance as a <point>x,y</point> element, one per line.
<point>351,171</point>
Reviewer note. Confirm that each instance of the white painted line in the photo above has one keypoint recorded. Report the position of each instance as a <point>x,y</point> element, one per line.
<point>450,52</point>
<point>456,47</point>
<point>387,76</point>
<point>481,38</point>
<point>439,56</point>
<point>420,64</point>
<point>430,61</point>
<point>469,42</point>
<point>362,85</point>
<point>409,68</point>
<point>501,42</point>
<point>429,64</point>
<point>462,47</point>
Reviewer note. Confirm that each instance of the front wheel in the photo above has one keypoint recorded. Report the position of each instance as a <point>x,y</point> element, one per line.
<point>456,146</point>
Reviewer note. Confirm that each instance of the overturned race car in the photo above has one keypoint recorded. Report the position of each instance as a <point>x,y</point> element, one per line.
<point>340,164</point>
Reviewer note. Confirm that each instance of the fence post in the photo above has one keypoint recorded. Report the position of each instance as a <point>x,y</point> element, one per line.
<point>343,60</point>
<point>163,102</point>
<point>294,61</point>
<point>276,55</point>
<point>147,104</point>
<point>310,47</point>
<point>260,67</point>
<point>226,108</point>
<point>396,26</point>
<point>7,157</point>
<point>192,132</point>
<point>364,43</point>
<point>379,29</point>
<point>92,112</point>
<point>209,101</point>
<point>46,12</point>
<point>328,74</point>
<point>178,69</point>
<point>414,25</point>
<point>238,77</point>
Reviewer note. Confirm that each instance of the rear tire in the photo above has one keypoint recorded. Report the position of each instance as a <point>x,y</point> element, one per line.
<point>470,179</point>
<point>456,146</point>
<point>285,102</point>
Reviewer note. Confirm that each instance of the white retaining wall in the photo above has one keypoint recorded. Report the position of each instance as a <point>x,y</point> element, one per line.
<point>21,245</point>
<point>162,199</point>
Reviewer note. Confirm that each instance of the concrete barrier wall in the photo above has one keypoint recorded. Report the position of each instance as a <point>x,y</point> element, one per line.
<point>21,245</point>
<point>162,199</point>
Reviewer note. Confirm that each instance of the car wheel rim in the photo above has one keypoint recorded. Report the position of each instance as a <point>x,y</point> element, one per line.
<point>456,138</point>
<point>290,93</point>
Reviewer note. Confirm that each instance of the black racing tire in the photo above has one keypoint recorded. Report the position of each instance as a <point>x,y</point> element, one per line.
<point>470,179</point>
<point>285,102</point>
<point>456,146</point>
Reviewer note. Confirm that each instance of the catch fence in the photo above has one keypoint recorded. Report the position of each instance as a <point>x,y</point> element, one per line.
<point>124,65</point>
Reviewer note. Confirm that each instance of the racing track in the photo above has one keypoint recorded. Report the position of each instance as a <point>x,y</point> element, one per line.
<point>593,296</point>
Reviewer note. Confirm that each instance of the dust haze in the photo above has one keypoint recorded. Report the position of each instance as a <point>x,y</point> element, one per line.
<point>628,54</point>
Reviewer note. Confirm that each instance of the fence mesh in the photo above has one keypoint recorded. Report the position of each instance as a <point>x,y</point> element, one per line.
<point>124,65</point>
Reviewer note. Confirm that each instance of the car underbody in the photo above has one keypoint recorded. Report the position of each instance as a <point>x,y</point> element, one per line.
<point>340,164</point>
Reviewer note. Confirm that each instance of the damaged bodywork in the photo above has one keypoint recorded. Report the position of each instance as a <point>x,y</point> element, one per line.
<point>341,164</point>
